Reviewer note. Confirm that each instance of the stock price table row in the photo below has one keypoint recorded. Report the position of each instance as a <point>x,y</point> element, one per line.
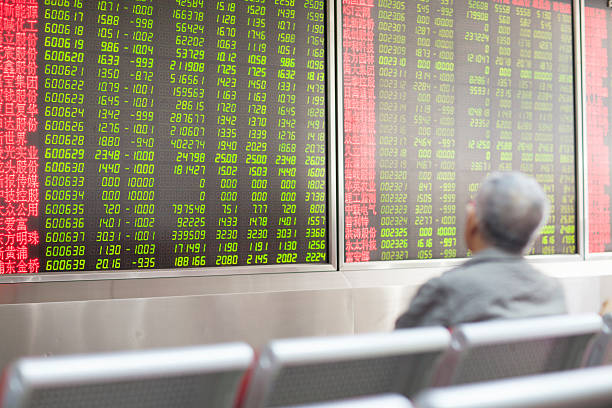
<point>437,94</point>
<point>162,134</point>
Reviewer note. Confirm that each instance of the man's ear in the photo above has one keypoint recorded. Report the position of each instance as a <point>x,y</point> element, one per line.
<point>471,228</point>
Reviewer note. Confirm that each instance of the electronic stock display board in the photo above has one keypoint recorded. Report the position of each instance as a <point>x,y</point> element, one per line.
<point>162,134</point>
<point>598,33</point>
<point>439,93</point>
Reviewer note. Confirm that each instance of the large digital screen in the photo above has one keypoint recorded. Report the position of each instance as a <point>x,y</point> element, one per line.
<point>162,134</point>
<point>439,93</point>
<point>598,32</point>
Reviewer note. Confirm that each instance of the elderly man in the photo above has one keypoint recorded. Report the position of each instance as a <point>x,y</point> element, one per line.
<point>496,282</point>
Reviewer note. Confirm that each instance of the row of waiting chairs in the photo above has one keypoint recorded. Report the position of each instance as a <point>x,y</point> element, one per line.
<point>309,370</point>
<point>584,388</point>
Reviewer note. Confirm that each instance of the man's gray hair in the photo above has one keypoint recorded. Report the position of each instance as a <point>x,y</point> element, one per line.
<point>510,210</point>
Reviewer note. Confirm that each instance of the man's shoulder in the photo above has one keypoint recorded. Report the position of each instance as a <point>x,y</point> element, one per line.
<point>461,275</point>
<point>490,267</point>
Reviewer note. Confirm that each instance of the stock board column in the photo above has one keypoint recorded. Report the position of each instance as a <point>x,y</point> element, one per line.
<point>479,62</point>
<point>106,80</point>
<point>503,57</point>
<point>62,136</point>
<point>523,100</point>
<point>565,148</point>
<point>359,129</point>
<point>392,138</point>
<point>315,158</point>
<point>285,231</point>
<point>544,171</point>
<point>257,116</point>
<point>184,124</point>
<point>444,137</point>
<point>435,123</point>
<point>19,157</point>
<point>139,127</point>
<point>525,125</point>
<point>422,120</point>
<point>226,157</point>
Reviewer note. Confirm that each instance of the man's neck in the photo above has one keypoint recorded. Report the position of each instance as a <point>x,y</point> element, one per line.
<point>479,245</point>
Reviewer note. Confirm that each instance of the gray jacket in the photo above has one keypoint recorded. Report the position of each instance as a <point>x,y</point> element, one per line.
<point>492,285</point>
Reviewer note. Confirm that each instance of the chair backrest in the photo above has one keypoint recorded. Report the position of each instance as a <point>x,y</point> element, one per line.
<point>599,351</point>
<point>584,388</point>
<point>378,401</point>
<point>309,370</point>
<point>509,348</point>
<point>178,377</point>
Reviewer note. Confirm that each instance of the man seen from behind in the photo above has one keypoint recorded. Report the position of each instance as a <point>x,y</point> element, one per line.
<point>501,225</point>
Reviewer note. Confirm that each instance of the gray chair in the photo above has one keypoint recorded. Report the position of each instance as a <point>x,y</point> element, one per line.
<point>584,388</point>
<point>599,351</point>
<point>379,401</point>
<point>179,377</point>
<point>310,370</point>
<point>510,348</point>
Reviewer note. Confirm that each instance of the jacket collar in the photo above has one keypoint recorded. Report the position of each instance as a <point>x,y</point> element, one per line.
<point>493,254</point>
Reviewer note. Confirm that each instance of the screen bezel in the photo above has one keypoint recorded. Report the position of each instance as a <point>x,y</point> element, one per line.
<point>332,208</point>
<point>579,118</point>
<point>335,180</point>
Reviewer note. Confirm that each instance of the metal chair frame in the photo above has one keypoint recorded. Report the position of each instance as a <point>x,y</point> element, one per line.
<point>76,377</point>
